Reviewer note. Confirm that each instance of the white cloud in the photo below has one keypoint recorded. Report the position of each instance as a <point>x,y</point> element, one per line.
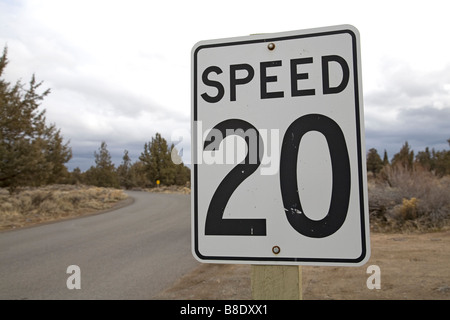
<point>409,105</point>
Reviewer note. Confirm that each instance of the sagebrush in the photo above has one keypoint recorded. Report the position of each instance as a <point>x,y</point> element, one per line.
<point>409,200</point>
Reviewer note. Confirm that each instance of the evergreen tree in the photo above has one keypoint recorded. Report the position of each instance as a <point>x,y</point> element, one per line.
<point>90,176</point>
<point>124,172</point>
<point>76,177</point>
<point>441,161</point>
<point>182,173</point>
<point>31,153</point>
<point>57,154</point>
<point>385,158</point>
<point>161,162</point>
<point>105,170</point>
<point>138,173</point>
<point>404,158</point>
<point>423,158</point>
<point>374,163</point>
<point>157,161</point>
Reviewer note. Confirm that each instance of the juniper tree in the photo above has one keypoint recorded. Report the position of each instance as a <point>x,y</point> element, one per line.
<point>31,152</point>
<point>404,158</point>
<point>374,162</point>
<point>157,161</point>
<point>105,171</point>
<point>124,172</point>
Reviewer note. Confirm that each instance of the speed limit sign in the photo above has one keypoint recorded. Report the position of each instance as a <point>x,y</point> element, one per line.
<point>278,152</point>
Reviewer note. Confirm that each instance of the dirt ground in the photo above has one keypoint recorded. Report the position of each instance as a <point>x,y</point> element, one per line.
<point>412,266</point>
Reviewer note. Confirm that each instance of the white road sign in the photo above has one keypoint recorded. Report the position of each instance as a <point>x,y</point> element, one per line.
<point>278,151</point>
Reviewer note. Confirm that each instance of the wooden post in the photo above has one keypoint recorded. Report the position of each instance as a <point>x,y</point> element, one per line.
<point>276,282</point>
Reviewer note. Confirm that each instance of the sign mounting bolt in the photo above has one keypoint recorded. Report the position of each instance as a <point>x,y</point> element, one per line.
<point>271,46</point>
<point>276,249</point>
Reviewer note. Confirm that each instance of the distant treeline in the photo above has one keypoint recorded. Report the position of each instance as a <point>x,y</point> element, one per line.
<point>155,164</point>
<point>436,162</point>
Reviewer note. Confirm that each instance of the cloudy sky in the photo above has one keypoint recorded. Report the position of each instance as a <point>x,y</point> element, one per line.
<point>120,71</point>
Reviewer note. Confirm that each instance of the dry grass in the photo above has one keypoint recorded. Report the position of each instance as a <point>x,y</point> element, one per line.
<point>55,202</point>
<point>170,189</point>
<point>405,201</point>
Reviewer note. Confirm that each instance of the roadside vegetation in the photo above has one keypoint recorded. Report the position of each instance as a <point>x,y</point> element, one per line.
<point>410,193</point>
<point>33,205</point>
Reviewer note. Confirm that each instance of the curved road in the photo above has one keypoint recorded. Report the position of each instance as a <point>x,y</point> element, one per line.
<point>130,253</point>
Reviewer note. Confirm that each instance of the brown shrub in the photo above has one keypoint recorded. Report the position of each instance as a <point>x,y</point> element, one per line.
<point>404,200</point>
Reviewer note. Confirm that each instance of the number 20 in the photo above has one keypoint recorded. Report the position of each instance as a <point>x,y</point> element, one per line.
<point>340,165</point>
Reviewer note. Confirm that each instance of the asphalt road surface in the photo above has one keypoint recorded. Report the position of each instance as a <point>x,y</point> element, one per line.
<point>130,253</point>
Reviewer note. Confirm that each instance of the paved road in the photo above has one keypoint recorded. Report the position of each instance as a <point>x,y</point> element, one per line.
<point>130,253</point>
